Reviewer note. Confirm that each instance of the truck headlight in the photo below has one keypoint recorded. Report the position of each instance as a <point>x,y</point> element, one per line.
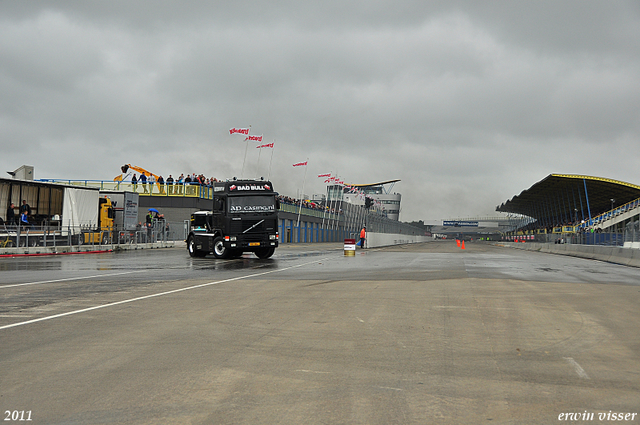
<point>273,237</point>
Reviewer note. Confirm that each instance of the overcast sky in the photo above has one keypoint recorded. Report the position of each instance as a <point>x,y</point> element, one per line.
<point>467,102</point>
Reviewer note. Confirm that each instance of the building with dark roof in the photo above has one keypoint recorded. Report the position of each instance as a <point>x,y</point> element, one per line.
<point>575,200</point>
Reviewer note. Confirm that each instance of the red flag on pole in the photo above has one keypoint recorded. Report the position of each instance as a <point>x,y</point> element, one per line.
<point>239,131</point>
<point>300,164</point>
<point>268,145</point>
<point>255,138</point>
<point>324,175</point>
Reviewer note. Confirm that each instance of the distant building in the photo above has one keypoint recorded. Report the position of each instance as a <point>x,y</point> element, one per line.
<point>23,173</point>
<point>388,203</point>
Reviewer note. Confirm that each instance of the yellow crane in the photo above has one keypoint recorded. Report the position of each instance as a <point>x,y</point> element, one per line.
<point>125,173</point>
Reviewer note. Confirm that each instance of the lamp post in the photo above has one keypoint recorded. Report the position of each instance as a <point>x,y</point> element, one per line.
<point>613,201</point>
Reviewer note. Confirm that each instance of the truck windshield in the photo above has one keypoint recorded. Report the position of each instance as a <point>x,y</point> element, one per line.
<point>252,204</point>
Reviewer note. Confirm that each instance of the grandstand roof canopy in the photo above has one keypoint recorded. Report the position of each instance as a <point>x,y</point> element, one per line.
<point>375,184</point>
<point>560,198</point>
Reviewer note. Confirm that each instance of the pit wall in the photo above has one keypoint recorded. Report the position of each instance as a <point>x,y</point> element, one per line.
<point>611,254</point>
<point>375,240</point>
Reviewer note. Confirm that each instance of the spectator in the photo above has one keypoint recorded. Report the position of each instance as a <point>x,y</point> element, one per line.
<point>11,215</point>
<point>161,184</point>
<point>143,181</point>
<point>149,223</point>
<point>134,181</point>
<point>180,183</point>
<point>152,181</point>
<point>170,184</point>
<point>25,208</point>
<point>24,220</point>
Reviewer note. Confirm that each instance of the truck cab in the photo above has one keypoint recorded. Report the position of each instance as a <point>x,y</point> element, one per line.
<point>243,218</point>
<point>102,234</point>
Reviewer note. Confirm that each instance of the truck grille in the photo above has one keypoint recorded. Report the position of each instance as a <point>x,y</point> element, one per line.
<point>238,227</point>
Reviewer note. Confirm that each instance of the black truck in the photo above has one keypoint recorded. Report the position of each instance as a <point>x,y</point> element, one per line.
<point>244,218</point>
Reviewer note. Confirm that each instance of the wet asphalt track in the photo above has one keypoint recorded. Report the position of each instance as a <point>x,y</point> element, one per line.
<point>413,334</point>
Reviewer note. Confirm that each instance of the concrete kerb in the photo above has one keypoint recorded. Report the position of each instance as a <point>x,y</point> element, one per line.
<point>624,256</point>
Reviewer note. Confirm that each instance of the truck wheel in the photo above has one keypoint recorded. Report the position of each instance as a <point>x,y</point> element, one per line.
<point>219,250</point>
<point>191,247</point>
<point>265,253</point>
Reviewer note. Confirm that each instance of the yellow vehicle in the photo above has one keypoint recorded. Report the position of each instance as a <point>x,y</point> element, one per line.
<point>103,234</point>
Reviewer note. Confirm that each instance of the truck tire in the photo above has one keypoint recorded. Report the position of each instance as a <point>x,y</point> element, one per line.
<point>219,250</point>
<point>264,253</point>
<point>191,247</point>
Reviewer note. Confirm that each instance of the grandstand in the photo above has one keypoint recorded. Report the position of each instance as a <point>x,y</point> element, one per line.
<point>568,204</point>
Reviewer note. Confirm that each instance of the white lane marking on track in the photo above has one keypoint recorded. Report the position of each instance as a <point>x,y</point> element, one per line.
<point>579,370</point>
<point>159,294</point>
<point>310,371</point>
<point>361,321</point>
<point>69,278</point>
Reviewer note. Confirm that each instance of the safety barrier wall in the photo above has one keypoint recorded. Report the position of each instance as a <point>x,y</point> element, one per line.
<point>611,254</point>
<point>374,240</point>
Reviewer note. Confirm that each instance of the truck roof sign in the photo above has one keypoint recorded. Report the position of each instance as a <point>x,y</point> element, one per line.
<point>243,186</point>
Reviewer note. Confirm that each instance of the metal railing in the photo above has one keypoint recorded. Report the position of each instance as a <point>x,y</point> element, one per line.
<point>608,215</point>
<point>188,190</point>
<point>54,236</point>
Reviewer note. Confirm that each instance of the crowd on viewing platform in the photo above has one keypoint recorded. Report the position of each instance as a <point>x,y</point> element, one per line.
<point>191,179</point>
<point>308,204</point>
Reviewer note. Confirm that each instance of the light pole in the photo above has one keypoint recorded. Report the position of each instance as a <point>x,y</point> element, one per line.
<point>613,201</point>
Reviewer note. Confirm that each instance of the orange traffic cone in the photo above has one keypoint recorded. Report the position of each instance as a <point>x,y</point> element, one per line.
<point>462,244</point>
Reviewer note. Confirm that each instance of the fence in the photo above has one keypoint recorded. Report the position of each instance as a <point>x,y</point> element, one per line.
<point>630,234</point>
<point>55,236</point>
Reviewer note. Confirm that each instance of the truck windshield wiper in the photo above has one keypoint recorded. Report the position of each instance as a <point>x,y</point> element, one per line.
<point>253,226</point>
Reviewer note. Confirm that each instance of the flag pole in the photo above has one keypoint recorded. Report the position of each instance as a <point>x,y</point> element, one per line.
<point>258,164</point>
<point>324,209</point>
<point>246,146</point>
<point>336,214</point>
<point>271,160</point>
<point>302,194</point>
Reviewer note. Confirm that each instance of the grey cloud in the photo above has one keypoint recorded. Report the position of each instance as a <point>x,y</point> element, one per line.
<point>467,102</point>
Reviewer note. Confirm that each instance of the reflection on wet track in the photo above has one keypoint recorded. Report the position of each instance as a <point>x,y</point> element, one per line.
<point>39,286</point>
